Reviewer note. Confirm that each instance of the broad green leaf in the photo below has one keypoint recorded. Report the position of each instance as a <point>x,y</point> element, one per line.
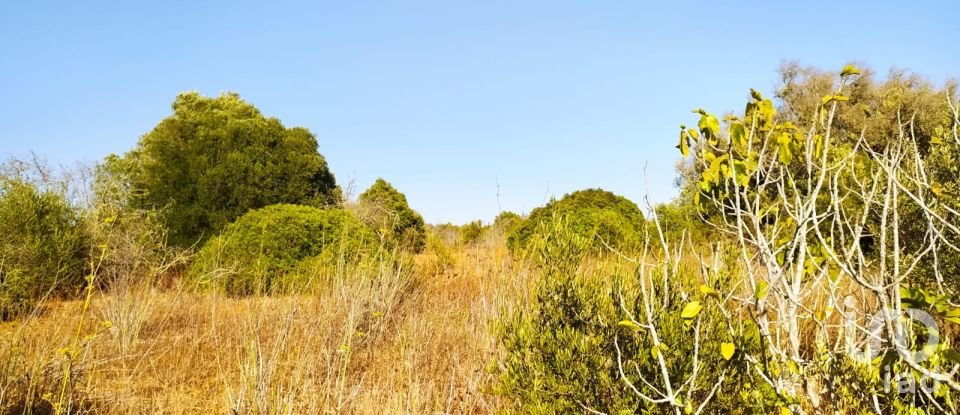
<point>762,289</point>
<point>727,350</point>
<point>691,310</point>
<point>709,126</point>
<point>684,145</point>
<point>792,366</point>
<point>953,316</point>
<point>913,297</point>
<point>630,325</point>
<point>785,155</point>
<point>738,134</point>
<point>709,291</point>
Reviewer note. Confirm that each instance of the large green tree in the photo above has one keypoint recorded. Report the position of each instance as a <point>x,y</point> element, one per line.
<point>385,209</point>
<point>214,159</point>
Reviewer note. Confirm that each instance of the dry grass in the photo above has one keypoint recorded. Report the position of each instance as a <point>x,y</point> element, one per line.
<point>388,340</point>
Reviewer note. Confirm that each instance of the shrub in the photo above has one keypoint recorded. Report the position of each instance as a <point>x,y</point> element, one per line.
<point>44,246</point>
<point>386,211</point>
<point>507,221</point>
<point>216,158</point>
<point>471,232</point>
<point>264,251</point>
<point>595,214</point>
<point>564,352</point>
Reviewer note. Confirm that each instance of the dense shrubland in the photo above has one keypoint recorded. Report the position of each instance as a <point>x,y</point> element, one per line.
<point>831,224</point>
<point>761,289</point>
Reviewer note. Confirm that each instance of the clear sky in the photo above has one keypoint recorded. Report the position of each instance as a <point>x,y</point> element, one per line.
<point>445,99</point>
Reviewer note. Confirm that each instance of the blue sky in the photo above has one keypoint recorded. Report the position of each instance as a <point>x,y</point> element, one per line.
<point>445,99</point>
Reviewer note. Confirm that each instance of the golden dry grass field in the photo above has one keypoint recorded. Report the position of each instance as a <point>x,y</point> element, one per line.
<point>420,339</point>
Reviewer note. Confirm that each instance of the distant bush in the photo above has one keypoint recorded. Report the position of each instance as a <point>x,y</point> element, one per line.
<point>593,213</point>
<point>385,210</point>
<point>507,221</point>
<point>679,221</point>
<point>44,246</point>
<point>264,250</point>
<point>472,232</point>
<point>216,158</point>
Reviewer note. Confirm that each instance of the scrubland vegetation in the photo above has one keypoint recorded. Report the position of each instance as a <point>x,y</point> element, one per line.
<point>809,265</point>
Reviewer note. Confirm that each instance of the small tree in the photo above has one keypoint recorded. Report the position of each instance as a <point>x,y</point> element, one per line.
<point>818,213</point>
<point>216,158</point>
<point>386,211</point>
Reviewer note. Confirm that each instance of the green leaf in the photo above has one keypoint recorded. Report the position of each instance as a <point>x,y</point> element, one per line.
<point>913,298</point>
<point>727,350</point>
<point>709,126</point>
<point>738,134</point>
<point>630,325</point>
<point>684,145</point>
<point>953,316</point>
<point>709,291</point>
<point>691,310</point>
<point>762,289</point>
<point>850,70</point>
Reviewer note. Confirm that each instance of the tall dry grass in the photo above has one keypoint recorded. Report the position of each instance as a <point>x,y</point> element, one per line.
<point>392,338</point>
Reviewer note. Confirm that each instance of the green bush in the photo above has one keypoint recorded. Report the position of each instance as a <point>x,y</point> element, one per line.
<point>385,210</point>
<point>266,250</point>
<point>595,214</point>
<point>216,158</point>
<point>44,246</point>
<point>562,353</point>
<point>506,222</point>
<point>471,232</point>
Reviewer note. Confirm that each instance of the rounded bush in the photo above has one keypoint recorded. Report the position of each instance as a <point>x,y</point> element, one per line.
<point>215,158</point>
<point>44,246</point>
<point>384,209</point>
<point>592,213</point>
<point>265,250</point>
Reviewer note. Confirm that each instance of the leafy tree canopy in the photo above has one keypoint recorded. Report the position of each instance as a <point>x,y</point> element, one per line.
<point>214,159</point>
<point>385,210</point>
<point>43,249</point>
<point>264,251</point>
<point>592,213</point>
